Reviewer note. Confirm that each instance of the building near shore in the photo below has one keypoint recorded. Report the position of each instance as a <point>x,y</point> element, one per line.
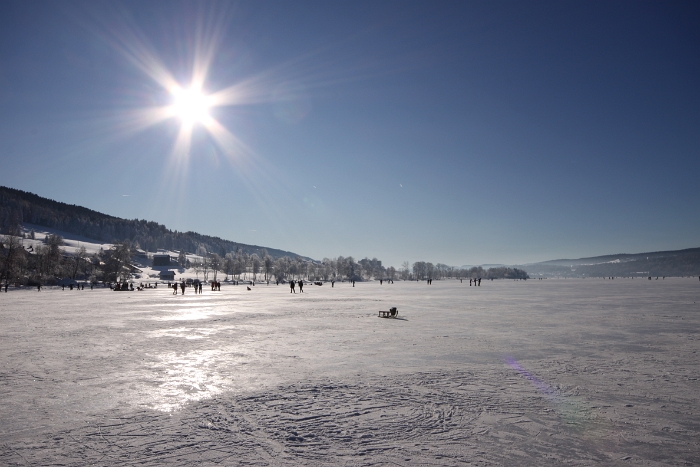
<point>167,275</point>
<point>161,260</point>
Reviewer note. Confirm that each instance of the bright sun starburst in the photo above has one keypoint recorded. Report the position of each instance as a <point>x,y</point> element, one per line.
<point>190,105</point>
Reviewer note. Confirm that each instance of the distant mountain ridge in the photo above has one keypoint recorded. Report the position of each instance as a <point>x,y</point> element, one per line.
<point>619,256</point>
<point>684,262</point>
<point>20,207</point>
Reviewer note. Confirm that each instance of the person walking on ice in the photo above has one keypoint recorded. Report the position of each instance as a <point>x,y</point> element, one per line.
<point>291,287</point>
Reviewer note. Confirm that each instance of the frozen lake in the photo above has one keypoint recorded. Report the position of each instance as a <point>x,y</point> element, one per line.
<point>533,372</point>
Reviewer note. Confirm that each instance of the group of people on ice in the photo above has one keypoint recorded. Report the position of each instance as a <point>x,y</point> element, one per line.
<point>197,285</point>
<point>292,284</point>
<point>175,285</point>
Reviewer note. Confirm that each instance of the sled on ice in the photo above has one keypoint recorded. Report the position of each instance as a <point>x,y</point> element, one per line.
<point>392,313</point>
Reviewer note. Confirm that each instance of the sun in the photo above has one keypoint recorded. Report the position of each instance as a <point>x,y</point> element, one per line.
<point>190,105</point>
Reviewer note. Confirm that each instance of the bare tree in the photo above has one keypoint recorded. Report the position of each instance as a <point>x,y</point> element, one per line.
<point>215,264</point>
<point>244,262</point>
<point>92,267</point>
<point>197,266</point>
<point>429,270</point>
<point>405,271</point>
<point>268,262</point>
<point>281,267</point>
<point>229,264</point>
<point>117,261</point>
<point>420,270</point>
<point>13,255</point>
<point>76,262</point>
<point>53,253</point>
<point>203,262</point>
<point>255,264</point>
<point>238,266</point>
<point>182,259</point>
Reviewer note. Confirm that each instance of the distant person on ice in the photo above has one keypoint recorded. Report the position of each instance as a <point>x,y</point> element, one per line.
<point>291,287</point>
<point>182,287</point>
<point>301,286</point>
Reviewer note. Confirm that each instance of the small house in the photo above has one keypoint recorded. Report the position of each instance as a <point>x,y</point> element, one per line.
<point>161,260</point>
<point>167,275</point>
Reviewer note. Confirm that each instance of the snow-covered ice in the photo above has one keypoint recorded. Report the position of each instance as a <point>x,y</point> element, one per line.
<point>513,372</point>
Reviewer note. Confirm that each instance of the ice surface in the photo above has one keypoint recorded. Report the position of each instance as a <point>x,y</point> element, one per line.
<point>512,372</point>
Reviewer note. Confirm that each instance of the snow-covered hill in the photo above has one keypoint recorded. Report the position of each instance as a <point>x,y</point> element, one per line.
<point>142,260</point>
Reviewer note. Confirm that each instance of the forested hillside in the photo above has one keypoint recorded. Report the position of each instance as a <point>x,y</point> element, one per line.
<point>17,207</point>
<point>659,263</point>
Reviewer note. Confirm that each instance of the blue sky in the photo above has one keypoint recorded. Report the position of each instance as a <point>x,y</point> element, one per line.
<point>453,132</point>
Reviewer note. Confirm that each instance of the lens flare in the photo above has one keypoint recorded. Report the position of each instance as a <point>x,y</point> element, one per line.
<point>568,408</point>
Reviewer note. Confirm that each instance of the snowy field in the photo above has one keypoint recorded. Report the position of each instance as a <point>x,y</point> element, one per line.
<point>577,372</point>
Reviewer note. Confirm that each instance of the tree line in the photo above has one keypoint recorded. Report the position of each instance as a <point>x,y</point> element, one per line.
<point>242,266</point>
<point>208,256</point>
<point>47,262</point>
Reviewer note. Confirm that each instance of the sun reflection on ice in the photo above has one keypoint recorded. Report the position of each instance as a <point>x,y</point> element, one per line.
<point>186,378</point>
<point>192,314</point>
<point>187,333</point>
